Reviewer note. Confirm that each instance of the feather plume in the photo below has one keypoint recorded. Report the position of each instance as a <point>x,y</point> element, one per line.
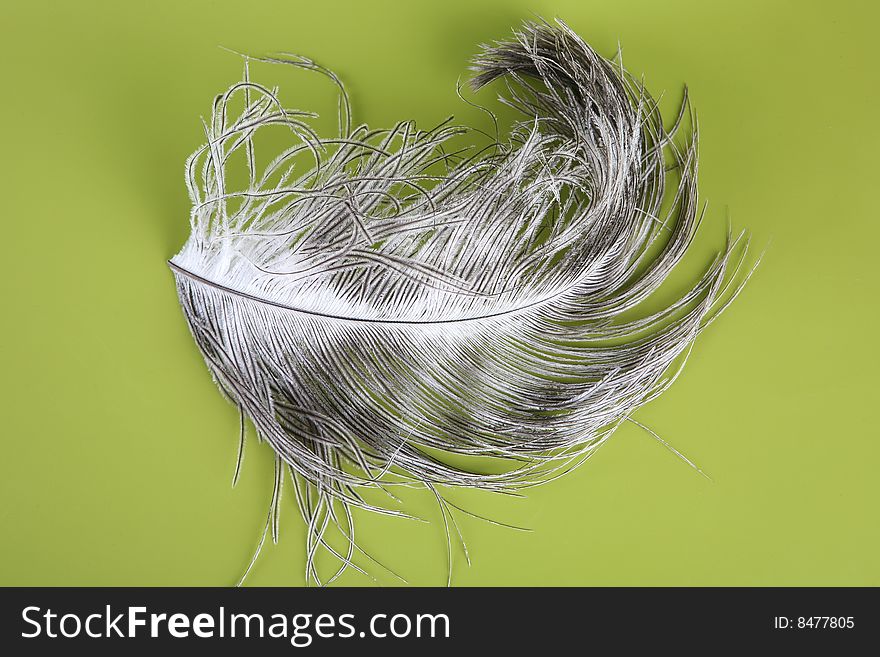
<point>377,300</point>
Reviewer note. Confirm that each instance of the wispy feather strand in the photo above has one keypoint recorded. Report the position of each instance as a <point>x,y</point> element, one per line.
<point>374,301</point>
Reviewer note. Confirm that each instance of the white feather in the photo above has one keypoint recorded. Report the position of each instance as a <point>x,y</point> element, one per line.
<point>365,311</point>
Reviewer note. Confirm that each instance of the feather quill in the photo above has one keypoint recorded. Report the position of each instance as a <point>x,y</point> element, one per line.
<point>375,301</point>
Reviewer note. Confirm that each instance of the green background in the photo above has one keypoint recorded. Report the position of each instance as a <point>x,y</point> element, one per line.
<point>118,450</point>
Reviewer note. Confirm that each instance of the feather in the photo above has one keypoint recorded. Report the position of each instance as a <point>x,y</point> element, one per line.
<point>378,301</point>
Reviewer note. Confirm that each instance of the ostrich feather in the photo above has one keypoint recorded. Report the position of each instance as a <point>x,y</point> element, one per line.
<point>380,300</point>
